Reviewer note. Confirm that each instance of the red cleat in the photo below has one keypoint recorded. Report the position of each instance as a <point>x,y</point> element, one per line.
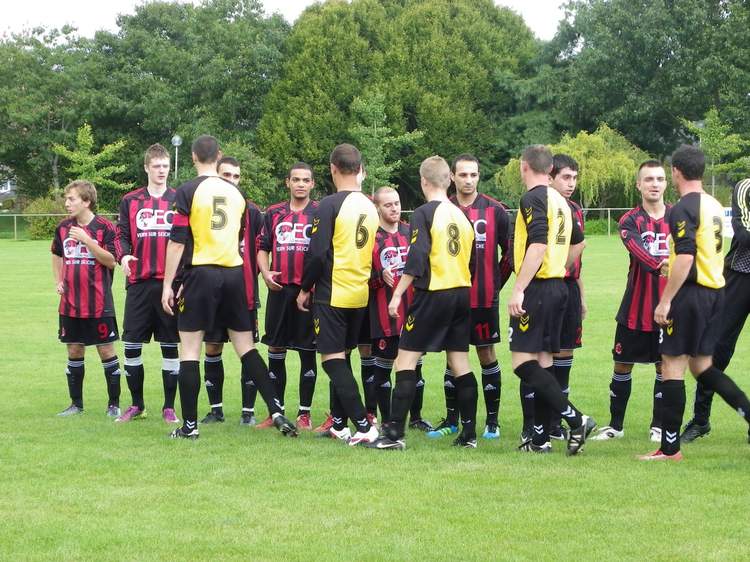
<point>265,424</point>
<point>304,422</point>
<point>659,456</point>
<point>325,426</point>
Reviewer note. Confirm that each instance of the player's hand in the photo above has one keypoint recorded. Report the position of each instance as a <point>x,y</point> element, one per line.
<point>77,233</point>
<point>661,312</point>
<point>388,276</point>
<point>125,263</point>
<point>664,268</point>
<point>179,291</point>
<point>60,288</point>
<point>584,309</point>
<point>303,300</point>
<point>515,304</point>
<point>394,305</point>
<point>167,300</point>
<point>268,278</point>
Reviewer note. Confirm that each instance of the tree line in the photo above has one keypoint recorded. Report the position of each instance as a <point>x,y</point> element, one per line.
<point>403,79</point>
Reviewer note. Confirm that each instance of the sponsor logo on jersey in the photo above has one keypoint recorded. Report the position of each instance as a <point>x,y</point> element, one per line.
<point>655,243</point>
<point>681,229</point>
<point>154,219</point>
<point>393,257</point>
<point>73,249</point>
<point>480,230</point>
<point>288,233</point>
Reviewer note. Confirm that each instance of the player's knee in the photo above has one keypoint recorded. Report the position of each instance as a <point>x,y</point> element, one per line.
<point>169,351</point>
<point>526,370</point>
<point>133,357</point>
<point>214,349</point>
<point>624,368</point>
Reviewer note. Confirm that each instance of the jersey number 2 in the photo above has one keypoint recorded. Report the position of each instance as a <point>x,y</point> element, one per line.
<point>219,216</point>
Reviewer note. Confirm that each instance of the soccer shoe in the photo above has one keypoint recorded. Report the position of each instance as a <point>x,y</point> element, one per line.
<point>577,437</point>
<point>132,413</point>
<point>491,431</point>
<point>266,423</point>
<point>169,415</point>
<point>694,430</point>
<point>558,433</point>
<point>247,418</point>
<point>213,417</point>
<point>71,410</point>
<point>421,425</point>
<point>464,443</point>
<point>113,411</point>
<point>331,433</point>
<point>286,427</point>
<point>526,434</point>
<point>180,434</point>
<point>325,426</point>
<point>364,437</point>
<point>659,456</point>
<point>372,419</point>
<point>654,435</point>
<point>607,432</point>
<point>386,443</point>
<point>529,447</point>
<point>304,422</point>
<point>443,428</point>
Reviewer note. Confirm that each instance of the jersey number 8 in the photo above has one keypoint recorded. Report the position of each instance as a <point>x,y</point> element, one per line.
<point>454,243</point>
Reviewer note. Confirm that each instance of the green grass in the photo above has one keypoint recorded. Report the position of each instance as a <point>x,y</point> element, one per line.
<point>86,489</point>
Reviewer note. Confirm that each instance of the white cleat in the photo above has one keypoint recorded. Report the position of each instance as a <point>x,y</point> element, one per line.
<point>607,433</point>
<point>368,437</point>
<point>654,434</point>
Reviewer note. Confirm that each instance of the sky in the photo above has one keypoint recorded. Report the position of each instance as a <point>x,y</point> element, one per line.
<point>91,15</point>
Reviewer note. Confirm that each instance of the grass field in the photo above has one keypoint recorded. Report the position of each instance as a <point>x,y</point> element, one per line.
<point>87,489</point>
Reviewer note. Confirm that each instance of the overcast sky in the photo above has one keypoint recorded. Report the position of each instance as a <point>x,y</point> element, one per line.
<point>90,15</point>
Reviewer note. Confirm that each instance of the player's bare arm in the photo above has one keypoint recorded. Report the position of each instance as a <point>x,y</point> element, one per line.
<point>532,261</point>
<point>174,257</point>
<point>677,276</point>
<point>265,270</point>
<point>57,267</point>
<point>403,284</point>
<point>574,252</point>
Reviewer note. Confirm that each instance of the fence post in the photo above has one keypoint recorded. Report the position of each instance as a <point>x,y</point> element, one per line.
<point>15,227</point>
<point>609,222</point>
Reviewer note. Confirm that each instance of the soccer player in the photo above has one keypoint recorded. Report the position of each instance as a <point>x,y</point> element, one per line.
<point>546,242</point>
<point>439,318</point>
<point>83,257</point>
<point>491,231</point>
<point>691,303</point>
<point>565,179</point>
<point>205,237</point>
<point>388,261</point>
<point>338,264</point>
<point>284,241</point>
<point>644,231</point>
<point>143,227</point>
<point>228,168</point>
<point>737,297</point>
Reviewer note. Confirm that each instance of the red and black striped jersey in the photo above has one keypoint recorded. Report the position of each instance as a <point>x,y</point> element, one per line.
<point>647,241</point>
<point>390,251</point>
<point>143,228</point>
<point>286,236</point>
<point>574,271</point>
<point>88,283</point>
<point>249,250</point>
<point>491,231</point>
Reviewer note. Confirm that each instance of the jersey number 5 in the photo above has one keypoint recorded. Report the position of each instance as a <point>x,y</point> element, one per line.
<point>219,216</point>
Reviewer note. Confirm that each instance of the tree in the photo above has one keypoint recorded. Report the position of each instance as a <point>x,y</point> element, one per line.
<point>94,166</point>
<point>375,140</point>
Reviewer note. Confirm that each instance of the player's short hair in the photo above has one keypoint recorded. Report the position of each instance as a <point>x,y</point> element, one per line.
<point>466,157</point>
<point>690,161</point>
<point>561,161</point>
<point>436,171</point>
<point>155,151</point>
<point>206,149</point>
<point>300,166</point>
<point>650,163</point>
<point>538,157</point>
<point>86,191</point>
<point>347,158</point>
<point>382,191</point>
<point>231,160</point>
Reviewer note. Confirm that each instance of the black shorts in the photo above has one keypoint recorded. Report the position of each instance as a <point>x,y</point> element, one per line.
<point>336,329</point>
<point>572,326</point>
<point>219,334</point>
<point>539,329</point>
<point>386,347</point>
<point>144,315</point>
<point>364,330</point>
<point>485,326</point>
<point>438,321</point>
<point>635,346</point>
<point>286,325</point>
<point>213,296</point>
<point>88,331</point>
<point>694,322</point>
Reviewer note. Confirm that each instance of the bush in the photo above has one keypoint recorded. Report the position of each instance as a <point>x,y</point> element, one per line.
<point>43,228</point>
<point>599,226</point>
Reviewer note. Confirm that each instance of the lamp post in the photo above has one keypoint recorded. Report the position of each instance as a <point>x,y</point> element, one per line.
<point>176,142</point>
